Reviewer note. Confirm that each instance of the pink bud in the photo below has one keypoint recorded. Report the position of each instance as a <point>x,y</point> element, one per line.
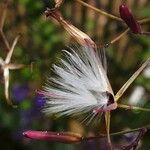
<point>129,19</point>
<point>62,137</point>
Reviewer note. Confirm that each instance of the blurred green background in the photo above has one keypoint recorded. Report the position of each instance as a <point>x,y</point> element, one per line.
<point>41,43</point>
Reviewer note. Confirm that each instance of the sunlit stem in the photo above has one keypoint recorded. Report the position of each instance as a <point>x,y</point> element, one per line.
<point>9,55</point>
<point>133,107</point>
<point>4,40</point>
<point>117,38</point>
<point>120,36</point>
<point>6,71</point>
<point>131,79</point>
<point>99,11</point>
<point>146,20</point>
<point>107,121</point>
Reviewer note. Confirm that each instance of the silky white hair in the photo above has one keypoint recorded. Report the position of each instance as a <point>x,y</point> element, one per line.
<point>80,84</point>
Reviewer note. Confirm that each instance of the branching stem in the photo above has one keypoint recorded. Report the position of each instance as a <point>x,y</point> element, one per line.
<point>99,11</point>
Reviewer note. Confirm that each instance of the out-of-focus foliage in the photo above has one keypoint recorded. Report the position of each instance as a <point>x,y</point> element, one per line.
<point>40,44</point>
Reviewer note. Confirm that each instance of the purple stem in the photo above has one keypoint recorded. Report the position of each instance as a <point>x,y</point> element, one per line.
<point>145,33</point>
<point>134,144</point>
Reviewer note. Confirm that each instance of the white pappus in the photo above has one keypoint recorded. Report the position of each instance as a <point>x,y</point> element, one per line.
<point>80,85</point>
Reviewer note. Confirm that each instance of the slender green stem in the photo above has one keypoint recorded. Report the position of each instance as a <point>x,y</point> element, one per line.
<point>99,11</point>
<point>133,107</point>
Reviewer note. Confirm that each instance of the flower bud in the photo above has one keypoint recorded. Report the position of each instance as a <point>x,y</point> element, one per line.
<point>62,137</point>
<point>129,19</point>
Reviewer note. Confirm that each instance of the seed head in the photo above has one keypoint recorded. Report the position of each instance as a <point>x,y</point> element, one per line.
<point>80,85</point>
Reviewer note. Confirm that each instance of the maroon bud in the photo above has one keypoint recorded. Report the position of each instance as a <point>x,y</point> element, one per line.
<point>62,137</point>
<point>129,19</point>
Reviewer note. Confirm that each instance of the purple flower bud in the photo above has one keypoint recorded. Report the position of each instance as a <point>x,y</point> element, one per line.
<point>39,101</point>
<point>20,92</point>
<point>62,137</point>
<point>129,19</point>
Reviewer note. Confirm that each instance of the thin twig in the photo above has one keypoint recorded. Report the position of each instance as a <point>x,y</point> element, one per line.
<point>3,14</point>
<point>146,20</point>
<point>4,40</point>
<point>120,36</point>
<point>142,21</point>
<point>99,11</point>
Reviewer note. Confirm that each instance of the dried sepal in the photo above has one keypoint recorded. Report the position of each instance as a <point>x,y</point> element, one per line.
<point>58,3</point>
<point>16,66</point>
<point>78,35</point>
<point>6,66</point>
<point>9,55</point>
<point>62,137</point>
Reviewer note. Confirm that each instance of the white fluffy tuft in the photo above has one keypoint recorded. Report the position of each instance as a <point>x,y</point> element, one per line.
<point>80,84</point>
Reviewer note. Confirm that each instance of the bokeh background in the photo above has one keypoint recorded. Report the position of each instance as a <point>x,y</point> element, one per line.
<point>40,44</point>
